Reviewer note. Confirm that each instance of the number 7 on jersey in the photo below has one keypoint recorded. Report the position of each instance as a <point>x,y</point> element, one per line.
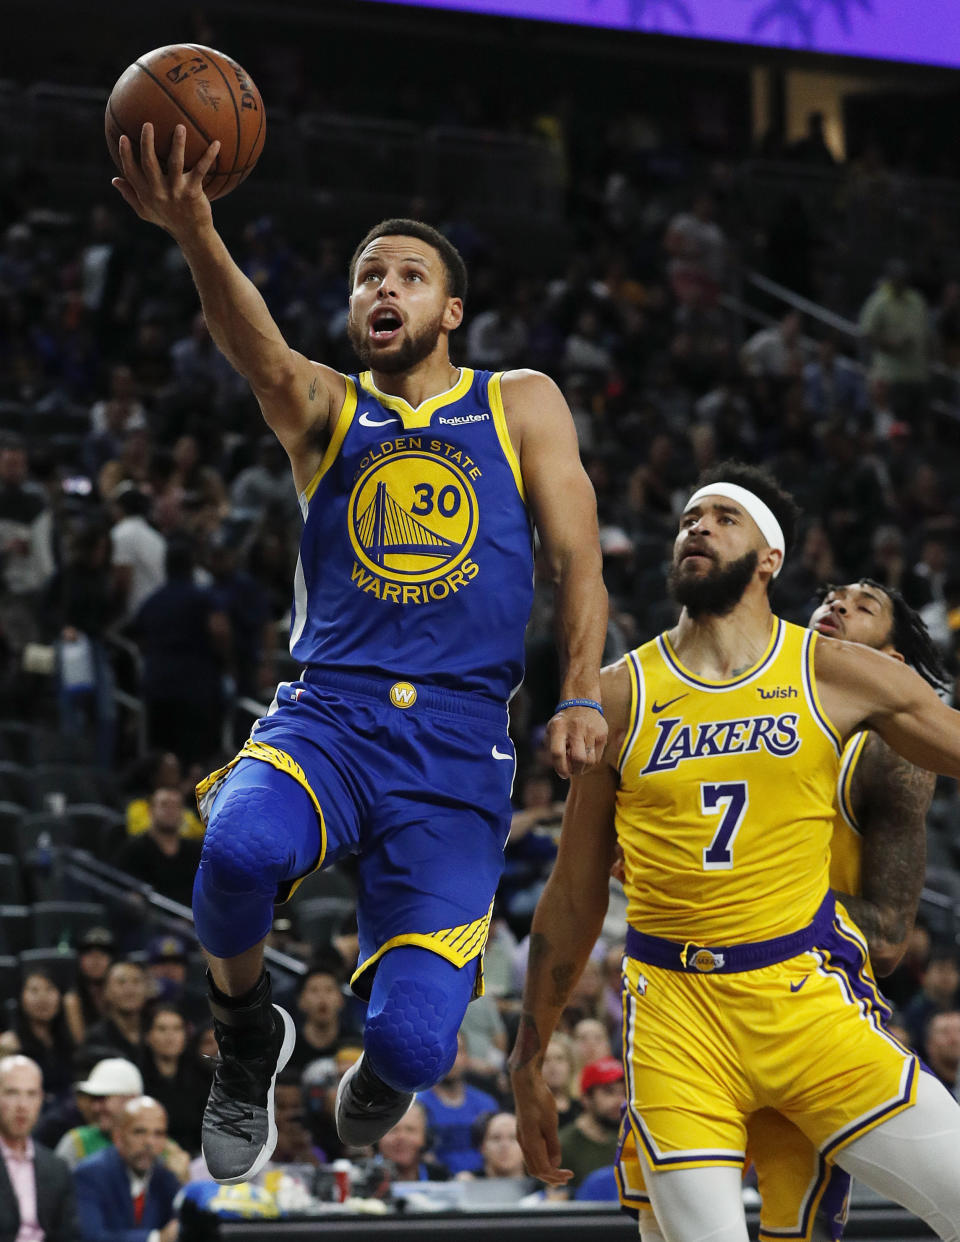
<point>731,801</point>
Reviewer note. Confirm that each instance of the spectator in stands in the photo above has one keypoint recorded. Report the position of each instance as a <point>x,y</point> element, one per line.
<point>26,546</point>
<point>112,1083</point>
<point>246,605</point>
<point>200,370</point>
<point>590,1142</point>
<point>559,1073</point>
<point>832,384</point>
<point>42,1032</point>
<point>697,248</point>
<point>591,1042</point>
<point>162,770</point>
<point>83,1004</point>
<point>905,981</point>
<point>497,338</point>
<point>81,605</point>
<point>891,567</point>
<point>323,1025</point>
<point>36,1190</point>
<point>942,1043</point>
<point>495,1137</point>
<point>774,352</point>
<point>265,487</point>
<point>122,410</point>
<point>895,323</point>
<point>107,279</point>
<point>184,637</point>
<point>408,1149</point>
<point>161,857</point>
<point>939,993</point>
<point>173,1077</point>
<point>813,148</point>
<point>138,549</point>
<point>168,974</point>
<point>125,1193</point>
<point>295,1143</point>
<point>452,1107</point>
<point>125,992</point>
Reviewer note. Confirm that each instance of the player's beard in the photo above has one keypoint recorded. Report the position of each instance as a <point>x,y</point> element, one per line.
<point>413,349</point>
<point>715,593</point>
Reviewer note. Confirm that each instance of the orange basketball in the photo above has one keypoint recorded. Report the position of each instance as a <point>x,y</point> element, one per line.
<point>197,87</point>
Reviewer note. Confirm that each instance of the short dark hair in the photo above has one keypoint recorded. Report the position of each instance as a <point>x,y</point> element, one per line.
<point>453,262</point>
<point>761,482</point>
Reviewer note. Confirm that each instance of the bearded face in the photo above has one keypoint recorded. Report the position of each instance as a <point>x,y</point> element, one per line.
<point>717,591</point>
<point>412,348</point>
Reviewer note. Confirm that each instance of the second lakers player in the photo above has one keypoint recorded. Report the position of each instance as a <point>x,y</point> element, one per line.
<point>746,985</point>
<point>877,855</point>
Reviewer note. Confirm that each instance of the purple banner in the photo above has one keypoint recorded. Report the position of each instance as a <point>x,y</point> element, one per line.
<point>914,30</point>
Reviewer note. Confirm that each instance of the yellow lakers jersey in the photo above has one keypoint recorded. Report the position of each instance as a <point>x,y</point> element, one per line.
<point>845,846</point>
<point>725,803</point>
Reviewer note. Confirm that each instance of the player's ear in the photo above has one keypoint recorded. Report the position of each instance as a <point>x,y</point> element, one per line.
<point>770,560</point>
<point>895,654</point>
<point>453,315</point>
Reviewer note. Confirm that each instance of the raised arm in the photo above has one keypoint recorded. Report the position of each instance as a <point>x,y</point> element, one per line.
<point>565,512</point>
<point>299,398</point>
<point>891,798</point>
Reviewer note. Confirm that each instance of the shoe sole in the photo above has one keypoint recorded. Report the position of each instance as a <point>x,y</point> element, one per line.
<point>267,1150</point>
<point>368,1137</point>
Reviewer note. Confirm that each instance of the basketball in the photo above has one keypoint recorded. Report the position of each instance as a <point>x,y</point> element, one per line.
<point>197,87</point>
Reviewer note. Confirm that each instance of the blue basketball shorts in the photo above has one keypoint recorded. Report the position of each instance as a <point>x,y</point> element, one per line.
<point>416,782</point>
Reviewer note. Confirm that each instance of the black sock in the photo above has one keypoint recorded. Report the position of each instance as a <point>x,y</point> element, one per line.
<point>248,1005</point>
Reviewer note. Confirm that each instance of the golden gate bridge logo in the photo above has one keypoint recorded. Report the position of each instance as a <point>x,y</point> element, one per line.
<point>385,529</point>
<point>413,516</point>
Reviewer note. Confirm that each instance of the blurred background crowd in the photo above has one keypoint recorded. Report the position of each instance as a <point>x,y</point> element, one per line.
<point>698,288</point>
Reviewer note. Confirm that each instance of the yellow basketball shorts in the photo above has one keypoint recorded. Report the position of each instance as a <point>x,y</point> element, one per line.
<point>705,1052</point>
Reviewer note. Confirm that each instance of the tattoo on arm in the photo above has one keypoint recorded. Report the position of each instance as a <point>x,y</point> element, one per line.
<point>312,391</point>
<point>563,979</point>
<point>527,1047</point>
<point>891,798</point>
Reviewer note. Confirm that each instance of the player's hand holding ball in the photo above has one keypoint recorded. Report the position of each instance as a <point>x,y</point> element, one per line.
<point>185,125</point>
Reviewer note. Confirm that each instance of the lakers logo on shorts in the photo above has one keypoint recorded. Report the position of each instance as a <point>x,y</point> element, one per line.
<point>413,517</point>
<point>705,961</point>
<point>402,694</point>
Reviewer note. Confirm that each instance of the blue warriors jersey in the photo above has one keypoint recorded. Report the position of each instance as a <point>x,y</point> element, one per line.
<point>416,558</point>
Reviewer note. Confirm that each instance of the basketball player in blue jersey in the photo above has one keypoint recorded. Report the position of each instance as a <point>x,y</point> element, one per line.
<point>420,485</point>
<point>746,984</point>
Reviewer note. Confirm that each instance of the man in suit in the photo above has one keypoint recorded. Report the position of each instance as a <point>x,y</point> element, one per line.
<point>125,1193</point>
<point>36,1191</point>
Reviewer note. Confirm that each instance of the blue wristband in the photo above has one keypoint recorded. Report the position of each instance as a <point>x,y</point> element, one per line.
<point>565,703</point>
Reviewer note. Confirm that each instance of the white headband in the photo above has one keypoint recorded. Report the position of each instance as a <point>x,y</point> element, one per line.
<point>761,513</point>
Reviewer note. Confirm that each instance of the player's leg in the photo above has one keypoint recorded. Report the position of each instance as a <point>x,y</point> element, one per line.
<point>417,1004</point>
<point>262,830</point>
<point>695,1205</point>
<point>914,1158</point>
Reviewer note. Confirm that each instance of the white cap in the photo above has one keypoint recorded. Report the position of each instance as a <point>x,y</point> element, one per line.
<point>114,1076</point>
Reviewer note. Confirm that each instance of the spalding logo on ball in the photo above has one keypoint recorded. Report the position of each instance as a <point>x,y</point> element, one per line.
<point>202,89</point>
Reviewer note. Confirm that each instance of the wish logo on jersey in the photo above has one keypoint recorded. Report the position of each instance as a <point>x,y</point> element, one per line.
<point>413,518</point>
<point>677,742</point>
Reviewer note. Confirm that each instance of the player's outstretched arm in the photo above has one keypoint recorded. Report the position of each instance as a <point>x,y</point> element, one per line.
<point>565,512</point>
<point>864,689</point>
<point>892,798</point>
<point>298,397</point>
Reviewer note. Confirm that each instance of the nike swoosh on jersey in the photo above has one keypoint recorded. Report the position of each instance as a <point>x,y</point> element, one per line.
<point>367,421</point>
<point>662,707</point>
<point>795,987</point>
<point>498,754</point>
